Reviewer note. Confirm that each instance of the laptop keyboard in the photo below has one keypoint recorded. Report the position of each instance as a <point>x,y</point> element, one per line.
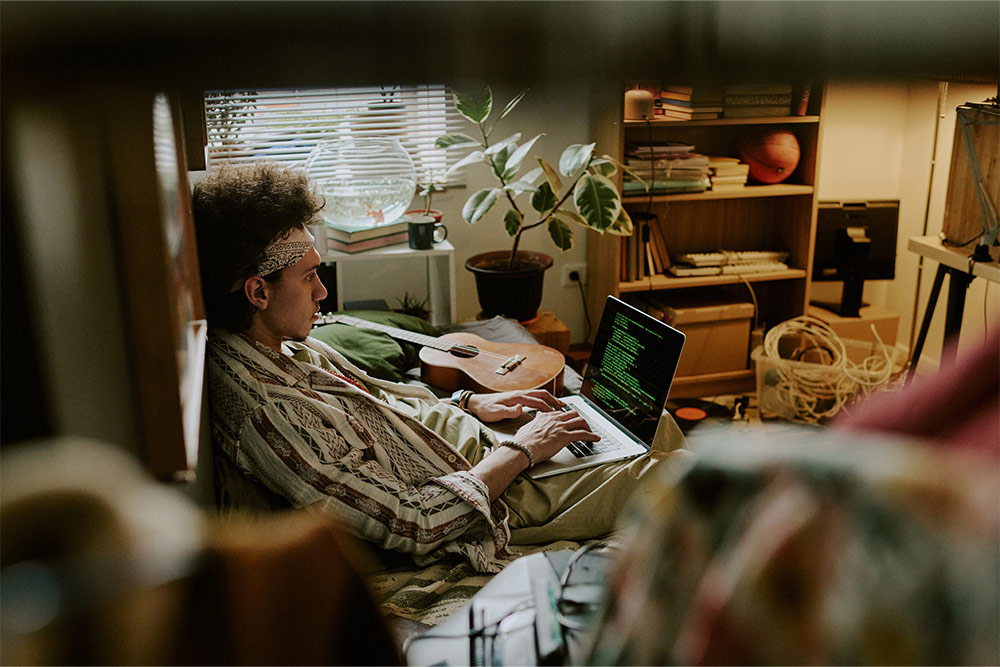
<point>584,448</point>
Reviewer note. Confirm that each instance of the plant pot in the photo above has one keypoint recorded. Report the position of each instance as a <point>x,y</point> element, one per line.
<point>433,212</point>
<point>512,292</point>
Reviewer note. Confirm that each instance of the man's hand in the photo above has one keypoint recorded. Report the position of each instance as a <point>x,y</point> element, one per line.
<point>547,433</point>
<point>510,404</point>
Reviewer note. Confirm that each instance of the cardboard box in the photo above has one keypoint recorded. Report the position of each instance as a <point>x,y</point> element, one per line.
<point>717,330</point>
<point>549,330</point>
<point>859,328</point>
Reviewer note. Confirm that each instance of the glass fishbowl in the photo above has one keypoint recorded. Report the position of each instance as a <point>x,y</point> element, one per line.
<point>366,182</point>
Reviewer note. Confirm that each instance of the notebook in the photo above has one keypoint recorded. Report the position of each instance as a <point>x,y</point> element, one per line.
<point>624,391</point>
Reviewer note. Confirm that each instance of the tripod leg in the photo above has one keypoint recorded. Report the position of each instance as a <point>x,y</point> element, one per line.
<point>926,324</point>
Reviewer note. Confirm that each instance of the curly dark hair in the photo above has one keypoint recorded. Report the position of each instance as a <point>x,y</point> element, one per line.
<point>238,212</point>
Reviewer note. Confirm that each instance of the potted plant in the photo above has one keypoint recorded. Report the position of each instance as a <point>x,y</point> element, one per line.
<point>411,305</point>
<point>428,186</point>
<point>580,191</point>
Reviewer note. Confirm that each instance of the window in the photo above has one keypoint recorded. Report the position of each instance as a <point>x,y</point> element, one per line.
<point>285,125</point>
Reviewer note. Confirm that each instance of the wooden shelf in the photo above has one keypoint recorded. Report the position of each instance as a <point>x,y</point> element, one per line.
<point>767,120</point>
<point>662,282</point>
<point>758,217</point>
<point>750,191</point>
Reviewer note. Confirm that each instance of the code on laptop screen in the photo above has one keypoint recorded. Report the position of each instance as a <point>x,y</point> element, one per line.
<point>632,367</point>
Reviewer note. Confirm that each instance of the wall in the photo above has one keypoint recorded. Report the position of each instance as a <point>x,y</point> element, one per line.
<point>878,143</point>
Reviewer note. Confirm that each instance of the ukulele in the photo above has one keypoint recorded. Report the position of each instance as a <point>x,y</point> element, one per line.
<point>467,361</point>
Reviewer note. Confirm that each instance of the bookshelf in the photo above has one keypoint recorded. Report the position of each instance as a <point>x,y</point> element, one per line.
<point>759,217</point>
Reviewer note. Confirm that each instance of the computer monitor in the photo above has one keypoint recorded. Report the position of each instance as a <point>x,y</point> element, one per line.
<point>855,242</point>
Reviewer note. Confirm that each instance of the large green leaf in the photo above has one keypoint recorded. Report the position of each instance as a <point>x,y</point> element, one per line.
<point>532,175</point>
<point>604,167</point>
<point>515,159</point>
<point>622,225</point>
<point>512,222</point>
<point>561,234</point>
<point>457,139</point>
<point>543,199</point>
<point>474,106</point>
<point>551,175</point>
<point>500,161</point>
<point>597,201</point>
<point>513,103</point>
<point>474,156</point>
<point>574,158</point>
<point>479,204</point>
<point>520,187</point>
<point>500,145</point>
<point>572,215</point>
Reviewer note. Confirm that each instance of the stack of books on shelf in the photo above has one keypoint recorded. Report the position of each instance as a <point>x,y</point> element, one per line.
<point>644,253</point>
<point>727,173</point>
<point>707,103</point>
<point>757,100</point>
<point>665,168</point>
<point>673,103</point>
<point>356,240</point>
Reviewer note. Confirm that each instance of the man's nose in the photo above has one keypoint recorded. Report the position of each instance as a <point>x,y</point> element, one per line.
<point>322,292</point>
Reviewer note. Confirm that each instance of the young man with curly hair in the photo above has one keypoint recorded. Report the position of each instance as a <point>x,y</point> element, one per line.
<point>390,462</point>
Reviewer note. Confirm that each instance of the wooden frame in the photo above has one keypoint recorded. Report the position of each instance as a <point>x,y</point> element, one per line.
<point>160,278</point>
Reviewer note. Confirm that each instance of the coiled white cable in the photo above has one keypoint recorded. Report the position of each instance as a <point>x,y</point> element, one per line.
<point>817,379</point>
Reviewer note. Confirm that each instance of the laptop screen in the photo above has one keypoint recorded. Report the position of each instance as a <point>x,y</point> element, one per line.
<point>631,367</point>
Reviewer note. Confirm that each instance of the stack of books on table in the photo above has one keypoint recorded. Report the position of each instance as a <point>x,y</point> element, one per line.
<point>673,103</point>
<point>664,168</point>
<point>727,173</point>
<point>356,240</point>
<point>757,100</point>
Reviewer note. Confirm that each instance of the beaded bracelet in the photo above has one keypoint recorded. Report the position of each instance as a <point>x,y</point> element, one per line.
<point>521,448</point>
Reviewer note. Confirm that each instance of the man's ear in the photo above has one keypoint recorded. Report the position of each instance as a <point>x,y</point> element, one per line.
<point>256,290</point>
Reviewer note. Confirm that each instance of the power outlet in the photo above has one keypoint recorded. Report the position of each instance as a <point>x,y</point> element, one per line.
<point>581,270</point>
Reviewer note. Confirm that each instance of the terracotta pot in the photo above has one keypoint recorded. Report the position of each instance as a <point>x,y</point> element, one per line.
<point>434,213</point>
<point>512,292</point>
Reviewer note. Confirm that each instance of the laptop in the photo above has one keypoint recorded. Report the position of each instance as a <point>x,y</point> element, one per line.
<point>624,391</point>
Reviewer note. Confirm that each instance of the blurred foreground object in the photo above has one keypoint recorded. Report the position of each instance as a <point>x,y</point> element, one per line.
<point>103,565</point>
<point>794,545</point>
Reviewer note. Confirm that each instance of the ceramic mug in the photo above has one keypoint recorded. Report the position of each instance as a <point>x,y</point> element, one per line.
<point>423,232</point>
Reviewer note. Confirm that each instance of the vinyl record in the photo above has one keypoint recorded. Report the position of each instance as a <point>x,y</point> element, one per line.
<point>690,412</point>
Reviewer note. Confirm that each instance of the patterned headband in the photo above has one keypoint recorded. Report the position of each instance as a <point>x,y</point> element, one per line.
<point>281,254</point>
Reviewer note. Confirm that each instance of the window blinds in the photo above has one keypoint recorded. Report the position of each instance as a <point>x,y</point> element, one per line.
<point>285,125</point>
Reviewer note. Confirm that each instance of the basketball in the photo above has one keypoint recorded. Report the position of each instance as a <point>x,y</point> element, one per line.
<point>771,154</point>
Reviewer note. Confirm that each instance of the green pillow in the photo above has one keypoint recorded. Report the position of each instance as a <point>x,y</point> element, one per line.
<point>375,352</point>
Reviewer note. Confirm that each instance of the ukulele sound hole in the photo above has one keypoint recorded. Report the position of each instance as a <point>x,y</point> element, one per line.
<point>464,351</point>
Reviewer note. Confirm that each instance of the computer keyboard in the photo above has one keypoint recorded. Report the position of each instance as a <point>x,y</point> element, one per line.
<point>727,269</point>
<point>583,448</point>
<point>732,257</point>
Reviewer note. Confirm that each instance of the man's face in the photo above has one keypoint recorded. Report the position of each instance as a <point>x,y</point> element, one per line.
<point>293,300</point>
